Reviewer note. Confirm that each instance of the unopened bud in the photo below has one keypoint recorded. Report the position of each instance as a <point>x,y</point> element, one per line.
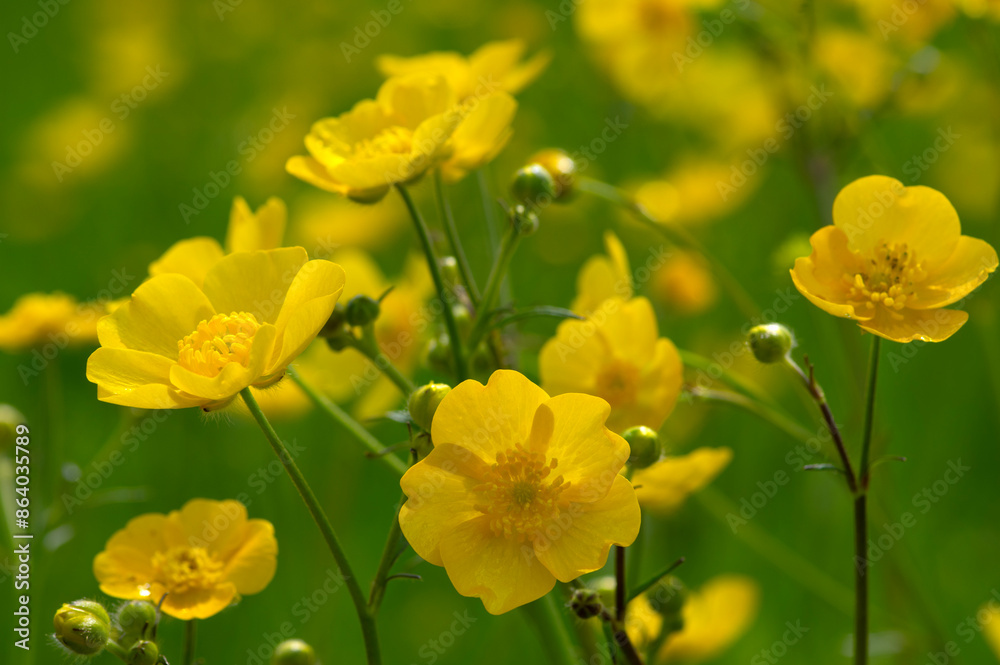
<point>362,310</point>
<point>668,596</point>
<point>293,652</point>
<point>586,603</point>
<point>525,221</point>
<point>143,652</point>
<point>561,167</point>
<point>770,342</point>
<point>533,186</point>
<point>644,444</point>
<point>135,621</point>
<point>83,627</point>
<point>424,402</point>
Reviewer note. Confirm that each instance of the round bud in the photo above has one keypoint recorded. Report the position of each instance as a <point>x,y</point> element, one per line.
<point>561,167</point>
<point>83,627</point>
<point>293,652</point>
<point>362,310</point>
<point>586,603</point>
<point>10,418</point>
<point>143,652</point>
<point>525,221</point>
<point>644,444</point>
<point>337,322</point>
<point>438,354</point>
<point>668,596</point>
<point>366,196</point>
<point>533,186</point>
<point>424,401</point>
<point>135,621</point>
<point>770,342</point>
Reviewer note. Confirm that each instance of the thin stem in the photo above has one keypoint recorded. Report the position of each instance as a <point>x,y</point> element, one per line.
<point>869,410</point>
<point>368,346</point>
<point>458,353</point>
<point>190,638</point>
<point>732,379</point>
<point>621,638</point>
<point>860,579</point>
<point>497,273</point>
<point>389,555</point>
<point>621,583</point>
<point>359,433</point>
<point>365,618</point>
<point>677,235</point>
<point>764,411</point>
<point>448,221</point>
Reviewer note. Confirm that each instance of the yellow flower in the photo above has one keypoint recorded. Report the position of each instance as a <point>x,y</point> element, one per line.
<point>698,189</point>
<point>893,258</point>
<point>663,486</point>
<point>617,355</point>
<point>42,318</point>
<point>603,277</point>
<point>482,133</point>
<point>991,625</point>
<point>392,139</point>
<point>521,489</point>
<point>861,65</point>
<point>494,66</point>
<point>325,222</point>
<point>203,557</point>
<point>715,616</point>
<point>685,283</point>
<point>177,345</point>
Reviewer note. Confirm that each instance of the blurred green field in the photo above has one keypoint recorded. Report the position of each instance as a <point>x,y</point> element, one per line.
<point>228,73</point>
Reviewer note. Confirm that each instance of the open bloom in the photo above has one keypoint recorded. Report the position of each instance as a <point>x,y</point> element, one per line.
<point>176,344</point>
<point>603,277</point>
<point>48,318</point>
<point>617,355</point>
<point>664,485</point>
<point>894,257</point>
<point>203,557</point>
<point>521,489</point>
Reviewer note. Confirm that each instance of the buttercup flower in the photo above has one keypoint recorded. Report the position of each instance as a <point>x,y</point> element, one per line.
<point>44,318</point>
<point>617,355</point>
<point>521,489</point>
<point>685,283</point>
<point>663,486</point>
<point>203,557</point>
<point>893,258</point>
<point>714,616</point>
<point>177,345</point>
<point>603,277</point>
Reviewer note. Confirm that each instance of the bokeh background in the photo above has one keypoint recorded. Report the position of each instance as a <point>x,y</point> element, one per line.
<point>896,85</point>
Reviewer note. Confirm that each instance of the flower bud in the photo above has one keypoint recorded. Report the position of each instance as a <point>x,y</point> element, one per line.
<point>533,186</point>
<point>362,310</point>
<point>449,271</point>
<point>143,652</point>
<point>561,167</point>
<point>668,596</point>
<point>83,627</point>
<point>644,444</point>
<point>525,221</point>
<point>586,603</point>
<point>10,418</point>
<point>770,342</point>
<point>135,621</point>
<point>293,652</point>
<point>336,323</point>
<point>438,354</point>
<point>605,586</point>
<point>424,401</point>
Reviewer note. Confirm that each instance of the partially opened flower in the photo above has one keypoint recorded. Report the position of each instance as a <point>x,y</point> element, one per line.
<point>894,257</point>
<point>521,489</point>
<point>48,318</point>
<point>603,277</point>
<point>664,485</point>
<point>714,617</point>
<point>617,355</point>
<point>482,133</point>
<point>176,344</point>
<point>203,557</point>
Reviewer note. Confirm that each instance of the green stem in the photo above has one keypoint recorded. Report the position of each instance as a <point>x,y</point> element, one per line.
<point>677,235</point>
<point>461,370</point>
<point>190,637</point>
<point>359,433</point>
<point>869,410</point>
<point>365,618</point>
<point>732,379</point>
<point>860,579</point>
<point>448,221</point>
<point>497,273</point>
<point>368,346</point>
<point>389,555</point>
<point>764,411</point>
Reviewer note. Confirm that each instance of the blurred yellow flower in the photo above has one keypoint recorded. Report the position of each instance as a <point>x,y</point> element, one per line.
<point>494,66</point>
<point>714,616</point>
<point>698,189</point>
<point>327,222</point>
<point>177,345</point>
<point>860,64</point>
<point>48,318</point>
<point>991,626</point>
<point>685,283</point>
<point>482,133</point>
<point>617,355</point>
<point>521,489</point>
<point>392,139</point>
<point>603,277</point>
<point>893,258</point>
<point>203,557</point>
<point>664,485</point>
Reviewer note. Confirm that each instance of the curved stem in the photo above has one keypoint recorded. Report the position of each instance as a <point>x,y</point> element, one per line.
<point>448,221</point>
<point>461,370</point>
<point>389,556</point>
<point>497,273</point>
<point>190,638</point>
<point>368,346</point>
<point>365,618</point>
<point>359,433</point>
<point>764,411</point>
<point>677,235</point>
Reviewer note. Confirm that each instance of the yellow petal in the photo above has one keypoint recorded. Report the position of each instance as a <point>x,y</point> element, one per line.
<point>928,325</point>
<point>134,378</point>
<point>249,231</point>
<point>252,566</point>
<point>632,331</point>
<point>967,268</point>
<point>254,282</point>
<point>414,98</point>
<point>665,485</point>
<point>481,135</point>
<point>215,525</point>
<point>163,311</point>
<point>312,171</point>
<point>439,497</point>
<point>586,532</point>
<point>233,378</point>
<point>192,258</point>
<point>714,617</point>
<point>502,573</point>
<point>820,276</point>
<point>306,308</point>
<point>199,603</point>
<point>571,361</point>
<point>488,419</point>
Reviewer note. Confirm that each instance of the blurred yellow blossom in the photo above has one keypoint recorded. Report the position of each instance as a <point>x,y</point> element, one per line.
<point>603,277</point>
<point>860,64</point>
<point>663,486</point>
<point>698,189</point>
<point>48,318</point>
<point>685,283</point>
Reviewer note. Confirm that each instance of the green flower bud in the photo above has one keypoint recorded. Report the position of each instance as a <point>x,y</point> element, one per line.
<point>424,401</point>
<point>143,652</point>
<point>337,322</point>
<point>533,186</point>
<point>83,627</point>
<point>525,221</point>
<point>294,652</point>
<point>135,621</point>
<point>561,167</point>
<point>644,444</point>
<point>668,596</point>
<point>586,603</point>
<point>770,342</point>
<point>362,310</point>
<point>438,354</point>
<point>10,418</point>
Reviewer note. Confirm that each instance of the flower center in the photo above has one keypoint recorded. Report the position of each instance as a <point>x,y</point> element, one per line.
<point>215,343</point>
<point>618,383</point>
<point>392,140</point>
<point>887,279</point>
<point>183,569</point>
<point>518,496</point>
